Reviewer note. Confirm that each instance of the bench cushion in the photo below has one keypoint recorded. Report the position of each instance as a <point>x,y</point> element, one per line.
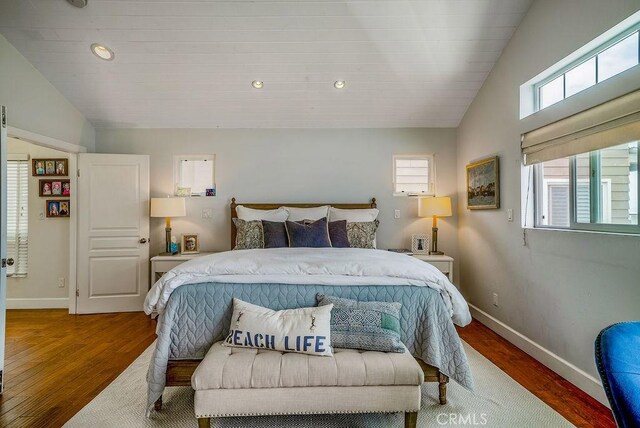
<point>241,368</point>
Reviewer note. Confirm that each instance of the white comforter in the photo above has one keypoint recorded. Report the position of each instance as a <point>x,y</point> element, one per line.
<point>324,266</point>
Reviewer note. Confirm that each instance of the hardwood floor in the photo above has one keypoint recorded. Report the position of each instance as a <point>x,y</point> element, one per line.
<point>572,403</point>
<point>57,363</point>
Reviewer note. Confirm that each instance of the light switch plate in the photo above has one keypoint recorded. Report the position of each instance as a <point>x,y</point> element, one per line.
<point>207,213</point>
<point>509,214</point>
<point>396,214</point>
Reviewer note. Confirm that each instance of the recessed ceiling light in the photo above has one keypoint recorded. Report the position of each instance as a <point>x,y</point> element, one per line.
<point>102,52</point>
<point>339,84</point>
<point>258,84</point>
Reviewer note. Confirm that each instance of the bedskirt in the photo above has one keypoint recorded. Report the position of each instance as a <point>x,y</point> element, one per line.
<point>198,315</point>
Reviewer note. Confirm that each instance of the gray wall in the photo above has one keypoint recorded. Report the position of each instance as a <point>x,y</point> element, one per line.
<point>260,165</point>
<point>34,105</point>
<point>48,241</point>
<point>562,287</point>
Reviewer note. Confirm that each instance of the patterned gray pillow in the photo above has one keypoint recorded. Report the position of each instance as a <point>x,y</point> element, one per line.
<point>373,326</point>
<point>249,234</point>
<point>362,234</point>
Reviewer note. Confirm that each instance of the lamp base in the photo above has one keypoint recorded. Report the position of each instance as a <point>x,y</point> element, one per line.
<point>436,253</point>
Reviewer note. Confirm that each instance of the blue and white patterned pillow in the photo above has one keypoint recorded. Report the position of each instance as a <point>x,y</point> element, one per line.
<point>372,326</point>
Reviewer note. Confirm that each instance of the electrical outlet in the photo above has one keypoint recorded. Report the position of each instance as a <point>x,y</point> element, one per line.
<point>41,215</point>
<point>397,214</point>
<point>510,214</point>
<point>495,299</point>
<point>61,282</point>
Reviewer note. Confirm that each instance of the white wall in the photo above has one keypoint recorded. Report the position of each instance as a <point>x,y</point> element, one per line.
<point>48,245</point>
<point>561,288</point>
<point>260,165</point>
<point>34,105</point>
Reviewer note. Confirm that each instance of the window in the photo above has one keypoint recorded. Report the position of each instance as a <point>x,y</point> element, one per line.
<point>17,214</point>
<point>196,173</point>
<point>593,191</point>
<point>617,55</point>
<point>413,175</point>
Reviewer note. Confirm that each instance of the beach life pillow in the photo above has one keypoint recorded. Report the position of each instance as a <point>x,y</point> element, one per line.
<point>372,326</point>
<point>304,330</point>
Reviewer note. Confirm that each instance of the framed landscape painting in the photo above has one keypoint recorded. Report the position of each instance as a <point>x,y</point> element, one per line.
<point>483,184</point>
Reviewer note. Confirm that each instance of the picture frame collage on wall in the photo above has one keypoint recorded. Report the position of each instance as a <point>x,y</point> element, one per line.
<point>53,187</point>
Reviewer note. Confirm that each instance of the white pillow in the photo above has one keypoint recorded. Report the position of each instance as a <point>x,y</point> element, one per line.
<point>353,216</point>
<point>250,214</point>
<point>314,213</point>
<point>305,330</point>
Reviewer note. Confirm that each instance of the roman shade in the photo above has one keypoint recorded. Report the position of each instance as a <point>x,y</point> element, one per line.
<point>609,124</point>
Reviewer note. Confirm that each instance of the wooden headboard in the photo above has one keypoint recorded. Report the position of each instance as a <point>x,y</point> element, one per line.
<point>273,206</point>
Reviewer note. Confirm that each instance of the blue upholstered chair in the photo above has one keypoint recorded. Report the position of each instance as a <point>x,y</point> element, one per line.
<point>618,361</point>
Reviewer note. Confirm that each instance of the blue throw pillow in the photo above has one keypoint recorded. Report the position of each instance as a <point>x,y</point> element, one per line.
<point>275,234</point>
<point>372,326</point>
<point>314,234</point>
<point>338,234</point>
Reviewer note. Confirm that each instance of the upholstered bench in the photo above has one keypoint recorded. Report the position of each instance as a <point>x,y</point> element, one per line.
<point>250,382</point>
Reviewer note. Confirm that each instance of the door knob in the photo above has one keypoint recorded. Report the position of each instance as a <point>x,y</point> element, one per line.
<point>143,240</point>
<point>9,262</point>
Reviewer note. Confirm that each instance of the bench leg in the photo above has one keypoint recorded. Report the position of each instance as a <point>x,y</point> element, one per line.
<point>442,387</point>
<point>204,422</point>
<point>410,419</point>
<point>158,404</point>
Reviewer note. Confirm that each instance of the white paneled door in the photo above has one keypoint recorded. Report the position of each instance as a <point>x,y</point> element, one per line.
<point>113,232</point>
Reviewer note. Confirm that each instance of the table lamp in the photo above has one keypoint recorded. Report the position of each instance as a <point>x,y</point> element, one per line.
<point>168,207</point>
<point>434,207</point>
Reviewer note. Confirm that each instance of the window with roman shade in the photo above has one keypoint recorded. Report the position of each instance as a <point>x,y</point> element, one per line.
<point>17,214</point>
<point>585,168</point>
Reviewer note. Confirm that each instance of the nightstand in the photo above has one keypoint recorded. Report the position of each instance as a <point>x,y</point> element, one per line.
<point>441,262</point>
<point>163,264</point>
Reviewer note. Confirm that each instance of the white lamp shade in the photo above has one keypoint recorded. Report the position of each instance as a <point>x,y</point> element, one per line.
<point>434,207</point>
<point>168,207</point>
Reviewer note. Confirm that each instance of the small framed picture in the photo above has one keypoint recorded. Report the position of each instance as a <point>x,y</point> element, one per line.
<point>58,209</point>
<point>210,192</point>
<point>38,167</point>
<point>61,167</point>
<point>45,188</point>
<point>50,167</point>
<point>55,188</point>
<point>420,243</point>
<point>190,243</point>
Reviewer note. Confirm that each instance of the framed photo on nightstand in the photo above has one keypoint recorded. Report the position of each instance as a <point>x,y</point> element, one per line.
<point>420,243</point>
<point>190,243</point>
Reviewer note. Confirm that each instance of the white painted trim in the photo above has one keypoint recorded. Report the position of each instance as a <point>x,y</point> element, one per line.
<point>73,233</point>
<point>564,368</point>
<point>42,140</point>
<point>44,303</point>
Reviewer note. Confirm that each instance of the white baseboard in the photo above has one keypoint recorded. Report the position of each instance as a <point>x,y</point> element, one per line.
<point>564,368</point>
<point>37,303</point>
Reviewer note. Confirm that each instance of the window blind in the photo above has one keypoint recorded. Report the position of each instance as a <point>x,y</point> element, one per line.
<point>17,216</point>
<point>609,124</point>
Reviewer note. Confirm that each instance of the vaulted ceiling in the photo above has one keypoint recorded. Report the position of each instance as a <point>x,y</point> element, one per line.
<point>190,63</point>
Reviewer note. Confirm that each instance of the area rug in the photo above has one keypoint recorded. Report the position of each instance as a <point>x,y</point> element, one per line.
<point>498,401</point>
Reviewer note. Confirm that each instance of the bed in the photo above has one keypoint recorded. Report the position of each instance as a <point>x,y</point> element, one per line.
<point>194,301</point>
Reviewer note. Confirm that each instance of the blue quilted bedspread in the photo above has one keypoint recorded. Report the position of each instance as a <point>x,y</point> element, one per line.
<point>199,315</point>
